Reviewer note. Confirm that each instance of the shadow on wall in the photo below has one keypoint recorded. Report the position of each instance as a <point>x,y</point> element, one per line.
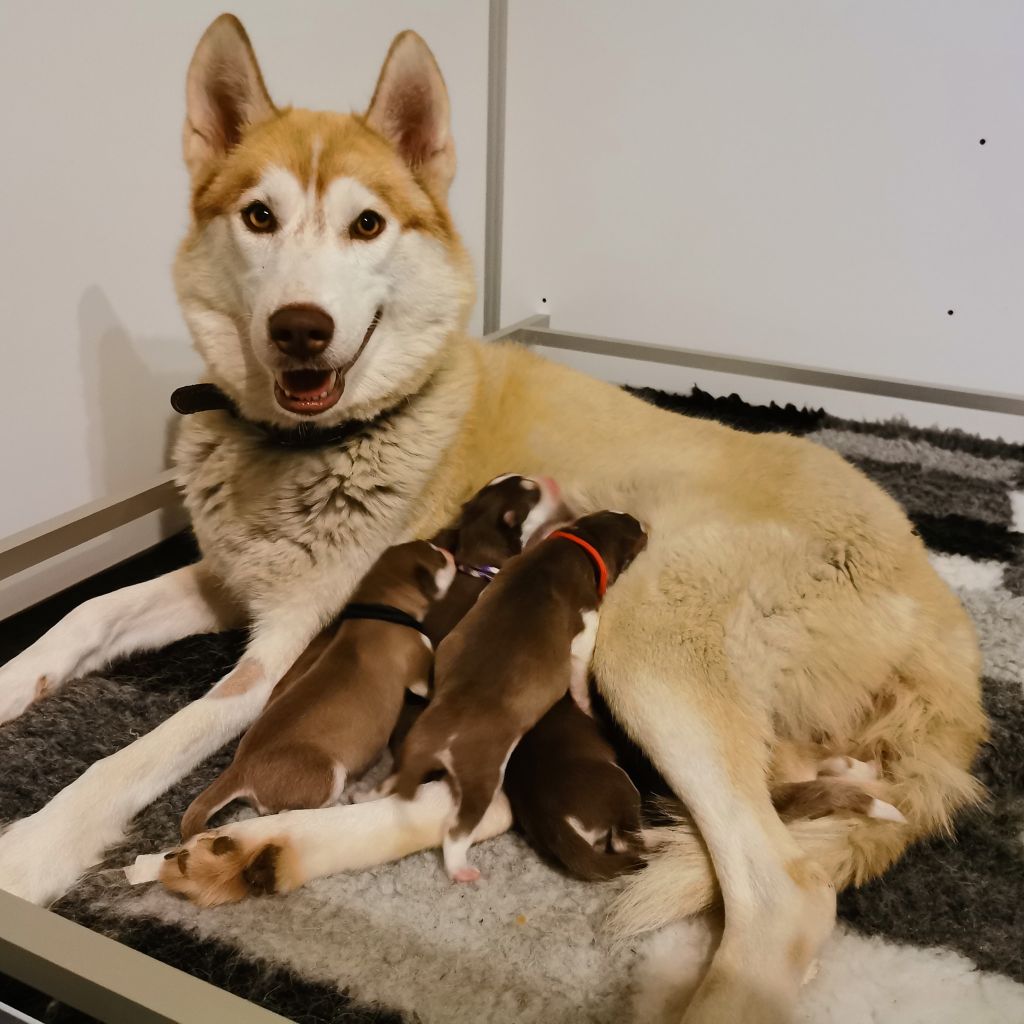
<point>130,424</point>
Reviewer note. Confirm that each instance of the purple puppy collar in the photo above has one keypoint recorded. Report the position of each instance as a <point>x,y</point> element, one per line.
<point>480,572</point>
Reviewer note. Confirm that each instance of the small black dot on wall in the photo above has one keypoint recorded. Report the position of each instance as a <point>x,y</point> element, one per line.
<point>543,300</point>
<point>949,312</point>
<point>981,142</point>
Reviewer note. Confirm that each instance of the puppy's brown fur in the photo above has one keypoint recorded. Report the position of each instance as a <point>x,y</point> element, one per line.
<point>492,527</point>
<point>332,713</point>
<point>572,800</point>
<point>505,665</point>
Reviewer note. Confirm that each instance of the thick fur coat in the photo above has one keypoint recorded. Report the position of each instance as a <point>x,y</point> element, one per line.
<point>783,598</point>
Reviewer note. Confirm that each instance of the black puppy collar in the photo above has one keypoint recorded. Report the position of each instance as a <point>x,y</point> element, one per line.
<point>383,613</point>
<point>195,398</point>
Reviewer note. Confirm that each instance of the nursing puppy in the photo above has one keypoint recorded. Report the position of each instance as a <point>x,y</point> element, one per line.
<point>500,520</point>
<point>331,715</point>
<point>495,524</point>
<point>527,640</point>
<point>570,797</point>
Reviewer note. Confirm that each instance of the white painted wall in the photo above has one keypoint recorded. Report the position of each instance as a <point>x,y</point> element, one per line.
<point>94,198</point>
<point>799,181</point>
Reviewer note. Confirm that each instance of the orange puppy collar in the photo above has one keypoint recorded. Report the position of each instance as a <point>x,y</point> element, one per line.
<point>595,557</point>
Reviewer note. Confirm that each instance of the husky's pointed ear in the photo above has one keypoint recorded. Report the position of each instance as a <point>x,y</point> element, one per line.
<point>224,93</point>
<point>410,109</point>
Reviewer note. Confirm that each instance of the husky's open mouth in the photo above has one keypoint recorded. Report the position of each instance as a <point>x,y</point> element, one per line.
<point>310,392</point>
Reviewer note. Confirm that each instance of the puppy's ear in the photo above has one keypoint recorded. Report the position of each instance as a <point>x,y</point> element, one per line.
<point>428,565</point>
<point>224,94</point>
<point>447,539</point>
<point>410,109</point>
<point>629,547</point>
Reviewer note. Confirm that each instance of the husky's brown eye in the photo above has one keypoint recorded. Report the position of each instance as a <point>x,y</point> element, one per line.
<point>257,217</point>
<point>369,224</point>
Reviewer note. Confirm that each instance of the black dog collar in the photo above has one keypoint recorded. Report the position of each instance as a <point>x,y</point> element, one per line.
<point>382,613</point>
<point>195,398</point>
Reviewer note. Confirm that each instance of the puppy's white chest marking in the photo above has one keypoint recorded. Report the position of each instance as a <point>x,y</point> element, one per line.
<point>421,687</point>
<point>582,647</point>
<point>581,650</point>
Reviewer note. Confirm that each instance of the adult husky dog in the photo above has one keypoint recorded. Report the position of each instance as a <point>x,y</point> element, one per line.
<point>783,600</point>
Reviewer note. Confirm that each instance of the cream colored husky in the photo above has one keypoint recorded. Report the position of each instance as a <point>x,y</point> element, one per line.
<point>783,611</point>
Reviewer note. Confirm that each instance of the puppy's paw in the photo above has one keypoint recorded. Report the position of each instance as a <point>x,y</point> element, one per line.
<point>386,788</point>
<point>214,868</point>
<point>849,769</point>
<point>885,811</point>
<point>466,874</point>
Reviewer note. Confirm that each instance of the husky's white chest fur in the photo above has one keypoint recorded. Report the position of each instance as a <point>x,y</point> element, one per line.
<point>271,519</point>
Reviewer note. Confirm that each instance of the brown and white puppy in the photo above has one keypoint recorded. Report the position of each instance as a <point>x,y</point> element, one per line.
<point>528,640</point>
<point>331,715</point>
<point>570,797</point>
<point>496,524</point>
<point>493,526</point>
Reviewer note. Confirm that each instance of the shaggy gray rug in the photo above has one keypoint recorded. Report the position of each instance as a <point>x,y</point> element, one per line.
<point>939,939</point>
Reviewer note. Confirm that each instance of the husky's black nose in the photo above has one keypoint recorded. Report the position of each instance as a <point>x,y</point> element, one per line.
<point>300,330</point>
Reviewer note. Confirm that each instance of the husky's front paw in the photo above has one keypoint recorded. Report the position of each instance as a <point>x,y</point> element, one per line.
<point>216,867</point>
<point>42,856</point>
<point>21,685</point>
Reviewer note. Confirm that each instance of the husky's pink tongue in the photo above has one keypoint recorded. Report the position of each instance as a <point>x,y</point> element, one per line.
<point>306,383</point>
